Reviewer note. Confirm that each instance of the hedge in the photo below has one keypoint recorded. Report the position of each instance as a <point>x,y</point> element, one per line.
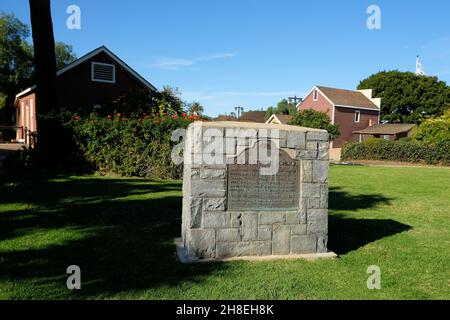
<point>129,147</point>
<point>400,150</point>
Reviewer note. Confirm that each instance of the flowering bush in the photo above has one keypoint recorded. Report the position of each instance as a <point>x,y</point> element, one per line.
<point>131,147</point>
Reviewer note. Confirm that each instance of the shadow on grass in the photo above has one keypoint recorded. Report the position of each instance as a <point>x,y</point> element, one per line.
<point>124,231</point>
<point>122,244</point>
<point>348,234</point>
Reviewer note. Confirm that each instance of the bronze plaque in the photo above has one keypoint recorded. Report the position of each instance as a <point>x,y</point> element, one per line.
<point>251,191</point>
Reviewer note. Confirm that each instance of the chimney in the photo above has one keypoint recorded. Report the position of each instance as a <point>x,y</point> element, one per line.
<point>369,93</point>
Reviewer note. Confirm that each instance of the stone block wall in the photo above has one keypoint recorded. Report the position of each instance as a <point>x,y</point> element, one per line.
<point>210,230</point>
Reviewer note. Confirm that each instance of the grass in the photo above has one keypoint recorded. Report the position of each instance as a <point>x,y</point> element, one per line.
<point>120,232</point>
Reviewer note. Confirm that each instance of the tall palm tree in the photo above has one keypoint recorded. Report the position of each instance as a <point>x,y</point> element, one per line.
<point>45,67</point>
<point>195,108</point>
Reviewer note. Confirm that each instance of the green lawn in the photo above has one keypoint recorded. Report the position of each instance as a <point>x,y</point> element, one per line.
<point>120,232</point>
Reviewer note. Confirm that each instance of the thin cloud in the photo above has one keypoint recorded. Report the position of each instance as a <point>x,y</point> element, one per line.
<point>215,57</point>
<point>259,94</point>
<point>178,63</point>
<point>197,96</point>
<point>224,95</point>
<point>173,63</point>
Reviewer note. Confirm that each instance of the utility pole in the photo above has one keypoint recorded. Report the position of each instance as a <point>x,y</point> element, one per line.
<point>295,99</point>
<point>239,111</point>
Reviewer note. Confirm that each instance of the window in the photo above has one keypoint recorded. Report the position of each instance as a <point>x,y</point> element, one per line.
<point>357,116</point>
<point>316,95</point>
<point>103,72</point>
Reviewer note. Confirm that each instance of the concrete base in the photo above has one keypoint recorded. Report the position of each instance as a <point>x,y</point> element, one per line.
<point>184,258</point>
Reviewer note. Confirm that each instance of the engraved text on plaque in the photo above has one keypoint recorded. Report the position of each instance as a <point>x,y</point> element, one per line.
<point>249,190</point>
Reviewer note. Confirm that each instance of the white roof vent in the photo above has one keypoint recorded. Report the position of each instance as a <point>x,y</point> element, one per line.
<point>103,72</point>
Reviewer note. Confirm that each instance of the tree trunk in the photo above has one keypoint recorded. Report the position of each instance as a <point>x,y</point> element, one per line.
<point>45,68</point>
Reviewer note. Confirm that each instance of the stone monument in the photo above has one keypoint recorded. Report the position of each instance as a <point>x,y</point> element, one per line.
<point>254,190</point>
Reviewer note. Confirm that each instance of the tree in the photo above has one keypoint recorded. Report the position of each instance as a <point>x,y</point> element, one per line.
<point>435,129</point>
<point>407,97</point>
<point>283,107</point>
<point>45,68</point>
<point>64,55</point>
<point>44,54</point>
<point>314,119</point>
<point>16,63</point>
<point>169,101</point>
<point>195,108</point>
<point>143,102</point>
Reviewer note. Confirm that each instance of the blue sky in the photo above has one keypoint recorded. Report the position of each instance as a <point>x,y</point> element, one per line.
<point>254,53</point>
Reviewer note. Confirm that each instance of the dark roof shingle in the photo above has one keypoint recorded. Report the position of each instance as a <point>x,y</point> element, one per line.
<point>284,118</point>
<point>348,98</point>
<point>253,116</point>
<point>387,129</point>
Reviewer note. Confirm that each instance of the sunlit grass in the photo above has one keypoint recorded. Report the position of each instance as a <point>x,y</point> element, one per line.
<point>120,232</point>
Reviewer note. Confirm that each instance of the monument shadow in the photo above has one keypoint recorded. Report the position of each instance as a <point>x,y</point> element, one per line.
<point>347,234</point>
<point>120,243</point>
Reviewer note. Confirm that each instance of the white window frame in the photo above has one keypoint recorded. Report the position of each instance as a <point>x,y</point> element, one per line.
<point>103,64</point>
<point>316,95</point>
<point>357,116</point>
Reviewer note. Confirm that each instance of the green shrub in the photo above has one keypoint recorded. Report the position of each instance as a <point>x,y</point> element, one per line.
<point>130,147</point>
<point>400,150</point>
<point>434,129</point>
<point>314,119</point>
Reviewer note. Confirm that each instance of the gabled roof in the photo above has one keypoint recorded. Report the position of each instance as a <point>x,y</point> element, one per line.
<point>347,98</point>
<point>253,116</point>
<point>281,118</point>
<point>113,57</point>
<point>387,129</point>
<point>91,55</point>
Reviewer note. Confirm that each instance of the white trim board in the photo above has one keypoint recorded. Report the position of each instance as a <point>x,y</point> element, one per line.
<point>274,116</point>
<point>320,91</point>
<point>357,116</point>
<point>25,91</point>
<point>352,107</point>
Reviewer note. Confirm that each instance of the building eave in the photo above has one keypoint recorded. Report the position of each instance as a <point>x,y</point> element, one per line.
<point>355,107</point>
<point>271,118</point>
<point>113,57</point>
<point>24,92</point>
<point>88,56</point>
